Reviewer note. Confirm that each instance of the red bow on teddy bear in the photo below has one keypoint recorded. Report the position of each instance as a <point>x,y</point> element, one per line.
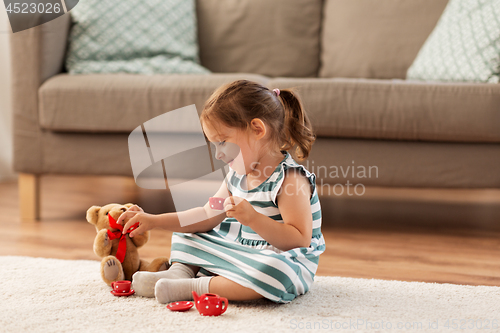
<point>122,245</point>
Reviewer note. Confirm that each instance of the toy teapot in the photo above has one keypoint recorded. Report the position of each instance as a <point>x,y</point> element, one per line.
<point>210,304</point>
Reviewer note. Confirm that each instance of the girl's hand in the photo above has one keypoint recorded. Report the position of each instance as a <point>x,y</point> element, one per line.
<point>239,209</point>
<point>136,214</point>
<point>134,208</point>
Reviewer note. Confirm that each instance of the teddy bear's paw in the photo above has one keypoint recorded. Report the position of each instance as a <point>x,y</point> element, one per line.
<point>158,264</point>
<point>111,269</point>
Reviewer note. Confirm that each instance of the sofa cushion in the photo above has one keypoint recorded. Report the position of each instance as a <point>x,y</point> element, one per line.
<point>402,164</point>
<point>464,46</point>
<point>375,39</point>
<point>386,163</point>
<point>268,37</point>
<point>134,36</point>
<point>399,109</point>
<point>121,102</point>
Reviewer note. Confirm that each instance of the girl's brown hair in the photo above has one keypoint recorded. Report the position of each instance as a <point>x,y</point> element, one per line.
<point>237,103</point>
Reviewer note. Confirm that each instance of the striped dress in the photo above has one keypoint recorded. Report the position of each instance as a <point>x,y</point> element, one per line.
<point>238,253</point>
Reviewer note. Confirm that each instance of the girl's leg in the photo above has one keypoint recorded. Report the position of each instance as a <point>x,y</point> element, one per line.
<point>144,282</point>
<point>231,290</point>
<point>195,269</point>
<point>171,290</point>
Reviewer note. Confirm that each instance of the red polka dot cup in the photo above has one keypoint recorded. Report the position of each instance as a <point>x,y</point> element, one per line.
<point>121,286</point>
<point>216,203</point>
<point>210,304</point>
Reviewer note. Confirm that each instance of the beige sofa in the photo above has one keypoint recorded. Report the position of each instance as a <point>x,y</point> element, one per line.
<point>347,58</point>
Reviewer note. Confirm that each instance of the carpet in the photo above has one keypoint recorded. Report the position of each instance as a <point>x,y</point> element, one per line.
<point>53,295</point>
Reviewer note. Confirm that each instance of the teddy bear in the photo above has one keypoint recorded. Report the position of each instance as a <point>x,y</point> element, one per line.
<point>119,252</point>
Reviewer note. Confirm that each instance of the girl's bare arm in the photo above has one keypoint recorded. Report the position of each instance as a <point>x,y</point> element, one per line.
<point>199,219</point>
<point>295,209</point>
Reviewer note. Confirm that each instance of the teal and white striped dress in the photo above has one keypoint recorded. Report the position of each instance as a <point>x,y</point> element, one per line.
<point>238,253</point>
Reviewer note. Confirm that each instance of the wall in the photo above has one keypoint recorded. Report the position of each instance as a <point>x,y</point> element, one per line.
<point>6,172</point>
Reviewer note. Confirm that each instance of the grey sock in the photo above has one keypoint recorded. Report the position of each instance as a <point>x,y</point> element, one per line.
<point>167,290</point>
<point>144,282</point>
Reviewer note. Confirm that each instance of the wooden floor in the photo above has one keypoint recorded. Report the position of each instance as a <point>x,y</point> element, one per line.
<point>411,235</point>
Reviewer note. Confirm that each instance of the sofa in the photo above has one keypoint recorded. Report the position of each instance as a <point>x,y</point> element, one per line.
<point>346,58</point>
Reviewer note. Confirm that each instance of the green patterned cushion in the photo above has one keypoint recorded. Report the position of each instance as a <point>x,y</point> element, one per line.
<point>134,36</point>
<point>464,46</point>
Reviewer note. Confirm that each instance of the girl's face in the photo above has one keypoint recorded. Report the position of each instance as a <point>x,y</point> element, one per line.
<point>232,147</point>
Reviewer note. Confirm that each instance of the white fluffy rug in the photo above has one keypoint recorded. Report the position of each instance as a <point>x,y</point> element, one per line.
<point>52,295</point>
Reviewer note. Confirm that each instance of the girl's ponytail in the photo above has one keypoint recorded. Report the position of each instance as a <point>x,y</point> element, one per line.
<point>235,104</point>
<point>297,129</point>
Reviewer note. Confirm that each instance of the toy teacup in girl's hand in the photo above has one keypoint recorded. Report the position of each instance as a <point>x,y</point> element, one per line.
<point>216,203</point>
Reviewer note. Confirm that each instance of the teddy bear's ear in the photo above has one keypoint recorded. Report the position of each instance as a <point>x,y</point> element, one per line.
<point>92,214</point>
<point>129,205</point>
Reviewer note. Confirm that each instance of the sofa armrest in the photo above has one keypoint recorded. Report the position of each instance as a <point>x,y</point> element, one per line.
<point>53,43</point>
<point>37,54</point>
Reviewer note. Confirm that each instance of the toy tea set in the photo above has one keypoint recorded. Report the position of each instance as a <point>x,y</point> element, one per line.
<point>207,304</point>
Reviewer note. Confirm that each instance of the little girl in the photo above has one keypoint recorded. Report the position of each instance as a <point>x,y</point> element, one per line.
<point>267,241</point>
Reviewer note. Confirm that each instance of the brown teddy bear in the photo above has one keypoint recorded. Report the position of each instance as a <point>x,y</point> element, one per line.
<point>120,258</point>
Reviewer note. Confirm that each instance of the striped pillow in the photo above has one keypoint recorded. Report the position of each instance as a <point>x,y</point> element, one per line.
<point>134,36</point>
<point>464,46</point>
